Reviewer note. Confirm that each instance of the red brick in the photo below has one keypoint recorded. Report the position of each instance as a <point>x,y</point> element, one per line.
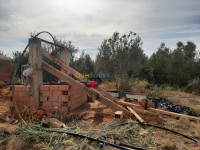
<point>57,93</point>
<point>69,103</point>
<point>27,88</point>
<point>53,87</point>
<point>44,88</point>
<point>47,104</point>
<point>47,93</point>
<point>22,98</point>
<point>53,98</point>
<point>43,98</point>
<point>64,109</point>
<point>21,104</point>
<point>19,88</point>
<point>56,104</point>
<point>11,104</point>
<point>23,93</point>
<point>63,87</point>
<point>64,104</point>
<point>64,98</point>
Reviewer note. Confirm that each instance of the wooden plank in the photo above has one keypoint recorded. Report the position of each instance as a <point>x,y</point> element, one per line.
<point>73,71</point>
<point>136,115</point>
<point>35,60</point>
<point>90,91</point>
<point>158,111</point>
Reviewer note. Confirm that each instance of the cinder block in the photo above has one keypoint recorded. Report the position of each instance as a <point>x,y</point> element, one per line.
<point>44,88</point>
<point>57,93</point>
<point>63,87</point>
<point>53,87</point>
<point>47,93</point>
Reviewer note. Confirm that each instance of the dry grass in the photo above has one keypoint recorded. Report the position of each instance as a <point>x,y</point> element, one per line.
<point>108,85</point>
<point>131,134</point>
<point>134,85</point>
<point>139,86</point>
<point>182,98</point>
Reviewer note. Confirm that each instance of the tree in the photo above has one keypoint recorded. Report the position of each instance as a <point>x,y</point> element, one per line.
<point>22,61</point>
<point>176,67</point>
<point>122,57</point>
<point>84,64</point>
<point>160,62</point>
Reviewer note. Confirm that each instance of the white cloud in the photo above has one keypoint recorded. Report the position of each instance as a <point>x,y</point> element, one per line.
<point>86,23</point>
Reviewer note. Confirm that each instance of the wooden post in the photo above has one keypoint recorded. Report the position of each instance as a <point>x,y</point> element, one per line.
<point>35,60</point>
<point>64,56</point>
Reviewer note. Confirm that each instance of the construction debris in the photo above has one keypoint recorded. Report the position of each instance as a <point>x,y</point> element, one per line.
<point>158,111</point>
<point>52,123</point>
<point>136,115</point>
<point>14,144</point>
<point>145,103</point>
<point>33,114</point>
<point>8,128</point>
<point>119,114</point>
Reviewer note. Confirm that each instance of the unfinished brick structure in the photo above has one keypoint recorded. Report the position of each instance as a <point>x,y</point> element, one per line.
<point>65,99</point>
<point>52,98</point>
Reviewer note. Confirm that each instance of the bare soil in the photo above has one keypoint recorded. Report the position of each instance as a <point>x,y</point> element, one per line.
<point>97,120</point>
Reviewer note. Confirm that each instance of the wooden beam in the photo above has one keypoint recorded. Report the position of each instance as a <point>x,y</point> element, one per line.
<point>158,111</point>
<point>73,71</point>
<point>35,60</point>
<point>90,91</point>
<point>136,115</point>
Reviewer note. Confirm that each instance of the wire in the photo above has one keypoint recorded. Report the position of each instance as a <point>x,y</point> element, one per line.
<point>90,138</point>
<point>15,71</point>
<point>151,125</point>
<point>188,137</point>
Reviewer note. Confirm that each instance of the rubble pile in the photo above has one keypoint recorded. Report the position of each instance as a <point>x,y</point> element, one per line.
<point>167,105</point>
<point>30,113</point>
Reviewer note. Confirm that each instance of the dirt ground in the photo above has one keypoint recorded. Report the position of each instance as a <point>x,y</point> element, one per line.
<point>96,120</point>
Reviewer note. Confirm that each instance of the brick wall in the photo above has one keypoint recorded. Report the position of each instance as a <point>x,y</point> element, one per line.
<point>21,97</point>
<point>53,98</point>
<point>77,97</point>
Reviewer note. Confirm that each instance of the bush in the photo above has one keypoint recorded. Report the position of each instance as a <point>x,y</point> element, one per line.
<point>194,85</point>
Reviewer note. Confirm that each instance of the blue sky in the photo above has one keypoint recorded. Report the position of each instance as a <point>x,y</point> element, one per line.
<point>87,22</point>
